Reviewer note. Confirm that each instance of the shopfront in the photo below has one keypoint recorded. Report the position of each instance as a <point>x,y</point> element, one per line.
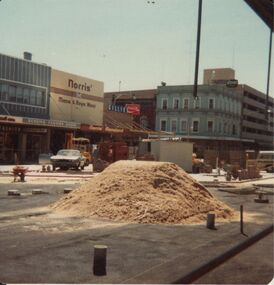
<point>23,139</point>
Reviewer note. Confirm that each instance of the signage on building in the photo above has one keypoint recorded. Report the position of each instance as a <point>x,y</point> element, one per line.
<point>232,83</point>
<point>117,108</point>
<point>51,123</point>
<point>35,130</point>
<point>85,127</point>
<point>11,119</point>
<point>133,109</point>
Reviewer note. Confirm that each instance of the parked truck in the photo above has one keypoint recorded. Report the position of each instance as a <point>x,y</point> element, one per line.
<point>264,161</point>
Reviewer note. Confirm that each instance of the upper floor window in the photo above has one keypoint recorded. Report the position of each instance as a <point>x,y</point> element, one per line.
<point>164,104</point>
<point>195,126</point>
<point>184,126</point>
<point>234,130</point>
<point>12,93</point>
<point>174,126</point>
<point>197,103</point>
<point>176,104</point>
<point>211,103</point>
<point>186,102</point>
<point>163,125</point>
<point>210,125</point>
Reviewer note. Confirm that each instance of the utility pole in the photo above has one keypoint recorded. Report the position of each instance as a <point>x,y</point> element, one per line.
<point>197,49</point>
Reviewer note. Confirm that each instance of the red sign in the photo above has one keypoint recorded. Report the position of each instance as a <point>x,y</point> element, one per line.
<point>134,109</point>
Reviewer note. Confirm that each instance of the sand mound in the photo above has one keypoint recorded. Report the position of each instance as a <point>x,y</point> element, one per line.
<point>143,192</point>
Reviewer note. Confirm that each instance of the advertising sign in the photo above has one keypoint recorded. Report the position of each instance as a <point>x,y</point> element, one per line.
<point>134,109</point>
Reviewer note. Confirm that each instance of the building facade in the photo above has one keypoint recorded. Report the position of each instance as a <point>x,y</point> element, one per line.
<point>40,107</point>
<point>24,93</point>
<point>257,118</point>
<point>215,114</point>
<point>145,98</point>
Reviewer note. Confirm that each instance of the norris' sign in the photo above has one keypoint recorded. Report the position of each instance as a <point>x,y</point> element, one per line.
<point>79,86</point>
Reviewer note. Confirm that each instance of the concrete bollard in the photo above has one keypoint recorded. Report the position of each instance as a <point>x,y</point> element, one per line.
<point>67,190</point>
<point>14,193</point>
<point>38,191</point>
<point>100,260</point>
<point>210,222</point>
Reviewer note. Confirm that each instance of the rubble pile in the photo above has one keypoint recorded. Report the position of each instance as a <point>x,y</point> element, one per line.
<point>143,192</point>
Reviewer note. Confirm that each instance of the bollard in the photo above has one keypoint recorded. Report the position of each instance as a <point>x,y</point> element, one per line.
<point>67,190</point>
<point>100,260</point>
<point>210,222</point>
<point>14,193</point>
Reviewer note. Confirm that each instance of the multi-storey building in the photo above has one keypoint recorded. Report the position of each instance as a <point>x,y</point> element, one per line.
<point>257,118</point>
<point>221,117</point>
<point>39,106</point>
<point>210,119</point>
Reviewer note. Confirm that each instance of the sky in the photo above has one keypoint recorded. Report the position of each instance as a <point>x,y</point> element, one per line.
<point>133,44</point>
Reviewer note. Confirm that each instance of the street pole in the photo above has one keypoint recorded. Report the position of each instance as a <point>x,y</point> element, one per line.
<point>197,49</point>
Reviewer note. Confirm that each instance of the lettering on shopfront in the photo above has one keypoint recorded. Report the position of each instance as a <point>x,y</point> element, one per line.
<point>79,86</point>
<point>7,119</point>
<point>76,102</point>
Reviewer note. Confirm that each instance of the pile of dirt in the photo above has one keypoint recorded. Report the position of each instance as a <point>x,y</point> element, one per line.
<point>143,192</point>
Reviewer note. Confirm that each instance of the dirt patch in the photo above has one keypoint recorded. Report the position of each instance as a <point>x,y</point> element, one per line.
<point>143,192</point>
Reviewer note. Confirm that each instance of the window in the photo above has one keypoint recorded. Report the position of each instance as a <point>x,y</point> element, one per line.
<point>176,104</point>
<point>174,126</point>
<point>19,94</point>
<point>186,102</point>
<point>210,126</point>
<point>195,127</point>
<point>220,127</point>
<point>225,128</point>
<point>211,103</point>
<point>164,104</point>
<point>12,93</point>
<point>32,100</point>
<point>234,130</point>
<point>184,126</point>
<point>197,103</point>
<point>4,92</point>
<point>39,98</point>
<point>26,96</point>
<point>163,125</point>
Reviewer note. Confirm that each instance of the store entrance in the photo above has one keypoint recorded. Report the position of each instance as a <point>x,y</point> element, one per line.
<point>33,147</point>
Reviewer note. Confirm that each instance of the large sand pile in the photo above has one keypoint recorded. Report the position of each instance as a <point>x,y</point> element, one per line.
<point>143,192</point>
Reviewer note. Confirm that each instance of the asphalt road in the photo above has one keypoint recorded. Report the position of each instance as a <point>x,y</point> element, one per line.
<point>40,246</point>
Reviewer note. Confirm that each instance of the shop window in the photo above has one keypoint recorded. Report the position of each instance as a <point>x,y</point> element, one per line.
<point>195,126</point>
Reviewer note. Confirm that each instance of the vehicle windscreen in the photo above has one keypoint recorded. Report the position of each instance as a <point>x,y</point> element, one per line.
<point>66,152</point>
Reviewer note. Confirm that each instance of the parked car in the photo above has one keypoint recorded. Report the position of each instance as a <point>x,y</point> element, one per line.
<point>68,158</point>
